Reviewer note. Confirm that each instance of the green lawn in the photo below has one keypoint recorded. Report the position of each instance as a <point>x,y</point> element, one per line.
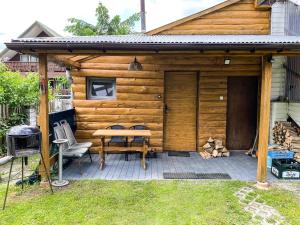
<point>155,202</point>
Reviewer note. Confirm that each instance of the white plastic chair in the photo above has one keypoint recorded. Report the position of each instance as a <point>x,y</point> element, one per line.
<point>70,152</point>
<point>71,138</point>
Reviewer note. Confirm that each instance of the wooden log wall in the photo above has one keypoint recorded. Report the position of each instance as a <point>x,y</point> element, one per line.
<point>212,110</point>
<point>137,93</point>
<point>137,102</point>
<point>239,18</point>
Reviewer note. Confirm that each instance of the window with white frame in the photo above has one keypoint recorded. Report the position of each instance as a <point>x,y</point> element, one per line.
<point>101,88</point>
<point>28,58</point>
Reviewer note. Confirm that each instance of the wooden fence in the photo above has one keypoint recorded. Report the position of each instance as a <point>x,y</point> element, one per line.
<point>4,111</point>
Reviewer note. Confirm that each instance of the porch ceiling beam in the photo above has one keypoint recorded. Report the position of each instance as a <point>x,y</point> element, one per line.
<point>64,60</point>
<point>88,58</point>
<point>266,83</point>
<point>77,58</point>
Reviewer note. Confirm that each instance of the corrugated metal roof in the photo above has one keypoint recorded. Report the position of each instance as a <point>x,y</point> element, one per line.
<point>169,39</point>
<point>158,42</point>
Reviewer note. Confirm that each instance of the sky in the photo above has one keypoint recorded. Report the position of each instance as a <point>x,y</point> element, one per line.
<point>17,15</point>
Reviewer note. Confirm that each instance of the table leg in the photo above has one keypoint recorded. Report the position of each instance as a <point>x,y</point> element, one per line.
<point>102,153</point>
<point>145,151</point>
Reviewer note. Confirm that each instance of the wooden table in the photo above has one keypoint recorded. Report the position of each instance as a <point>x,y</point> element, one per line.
<point>103,133</point>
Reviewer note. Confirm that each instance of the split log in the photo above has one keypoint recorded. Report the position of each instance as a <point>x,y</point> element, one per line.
<point>210,140</point>
<point>224,150</point>
<point>215,153</point>
<point>219,147</point>
<point>206,146</point>
<point>205,155</point>
<point>218,142</point>
<point>226,154</point>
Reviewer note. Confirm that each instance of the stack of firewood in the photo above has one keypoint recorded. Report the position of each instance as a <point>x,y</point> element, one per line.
<point>287,135</point>
<point>214,148</point>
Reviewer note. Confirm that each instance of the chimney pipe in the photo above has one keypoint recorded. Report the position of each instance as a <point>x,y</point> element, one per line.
<point>143,16</point>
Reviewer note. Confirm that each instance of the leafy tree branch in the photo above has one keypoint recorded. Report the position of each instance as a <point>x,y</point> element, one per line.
<point>104,24</point>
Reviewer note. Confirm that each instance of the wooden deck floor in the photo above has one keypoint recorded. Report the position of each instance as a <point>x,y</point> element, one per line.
<point>239,166</point>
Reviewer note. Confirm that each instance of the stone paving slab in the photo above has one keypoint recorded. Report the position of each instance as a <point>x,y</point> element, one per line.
<point>261,212</point>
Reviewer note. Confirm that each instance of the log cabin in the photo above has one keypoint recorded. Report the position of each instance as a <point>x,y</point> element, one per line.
<point>205,75</point>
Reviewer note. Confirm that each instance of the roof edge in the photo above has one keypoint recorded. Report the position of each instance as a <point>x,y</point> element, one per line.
<point>73,47</point>
<point>191,17</point>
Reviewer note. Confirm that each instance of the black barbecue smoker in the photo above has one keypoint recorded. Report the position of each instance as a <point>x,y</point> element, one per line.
<point>22,142</point>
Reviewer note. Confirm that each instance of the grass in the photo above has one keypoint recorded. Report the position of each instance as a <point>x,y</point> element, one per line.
<point>32,165</point>
<point>154,202</point>
<point>284,201</point>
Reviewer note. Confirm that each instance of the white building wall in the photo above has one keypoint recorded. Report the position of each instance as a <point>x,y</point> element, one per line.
<point>294,112</point>
<point>277,18</point>
<point>279,110</point>
<point>278,78</point>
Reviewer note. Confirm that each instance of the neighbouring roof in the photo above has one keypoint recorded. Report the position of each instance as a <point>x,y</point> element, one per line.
<point>157,42</point>
<point>33,31</point>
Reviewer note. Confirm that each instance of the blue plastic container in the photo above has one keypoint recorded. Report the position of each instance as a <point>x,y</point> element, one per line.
<point>283,154</point>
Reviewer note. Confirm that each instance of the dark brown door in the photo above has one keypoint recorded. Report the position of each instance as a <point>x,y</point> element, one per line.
<point>180,111</point>
<point>241,112</point>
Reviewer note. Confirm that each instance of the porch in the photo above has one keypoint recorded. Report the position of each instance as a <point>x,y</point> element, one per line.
<point>139,96</point>
<point>238,166</point>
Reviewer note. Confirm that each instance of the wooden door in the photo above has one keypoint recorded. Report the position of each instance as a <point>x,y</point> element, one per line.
<point>241,112</point>
<point>180,111</point>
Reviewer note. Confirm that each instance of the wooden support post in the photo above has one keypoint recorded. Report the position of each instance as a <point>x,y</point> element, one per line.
<point>44,109</point>
<point>266,83</point>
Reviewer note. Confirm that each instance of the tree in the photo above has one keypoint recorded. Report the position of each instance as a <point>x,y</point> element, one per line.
<point>16,90</point>
<point>104,24</point>
<point>17,93</point>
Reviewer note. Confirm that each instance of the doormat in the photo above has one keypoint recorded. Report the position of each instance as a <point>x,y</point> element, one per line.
<point>179,154</point>
<point>220,176</point>
<point>180,176</point>
<point>197,176</point>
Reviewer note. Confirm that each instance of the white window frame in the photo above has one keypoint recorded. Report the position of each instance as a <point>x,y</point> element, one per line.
<point>29,58</point>
<point>22,56</point>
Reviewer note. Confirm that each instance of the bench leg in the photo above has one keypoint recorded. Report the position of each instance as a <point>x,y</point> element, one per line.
<point>90,155</point>
<point>79,166</point>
